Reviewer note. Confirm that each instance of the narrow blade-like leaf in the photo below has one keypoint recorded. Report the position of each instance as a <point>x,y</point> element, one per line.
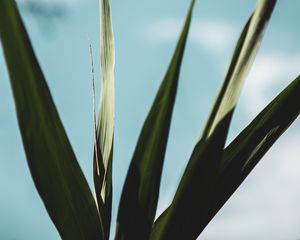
<point>105,128</point>
<point>52,162</point>
<point>242,60</point>
<point>242,155</point>
<point>248,148</point>
<point>140,193</point>
<point>183,218</point>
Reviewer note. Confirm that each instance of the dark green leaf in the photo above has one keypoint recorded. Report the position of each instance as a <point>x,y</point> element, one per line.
<point>183,218</point>
<point>242,155</point>
<point>248,148</point>
<point>140,193</point>
<point>52,162</point>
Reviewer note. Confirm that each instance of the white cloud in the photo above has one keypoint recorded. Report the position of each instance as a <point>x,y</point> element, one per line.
<point>165,30</point>
<point>271,72</point>
<point>213,35</point>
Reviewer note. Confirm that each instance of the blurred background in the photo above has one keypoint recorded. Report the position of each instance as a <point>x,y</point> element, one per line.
<point>266,206</point>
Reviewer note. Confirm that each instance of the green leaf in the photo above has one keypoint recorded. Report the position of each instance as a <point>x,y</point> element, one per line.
<point>103,153</point>
<point>183,218</point>
<point>140,193</point>
<point>242,60</point>
<point>52,162</point>
<point>242,155</point>
<point>248,148</point>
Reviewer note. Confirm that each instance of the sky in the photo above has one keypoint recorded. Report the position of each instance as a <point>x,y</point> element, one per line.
<point>266,206</point>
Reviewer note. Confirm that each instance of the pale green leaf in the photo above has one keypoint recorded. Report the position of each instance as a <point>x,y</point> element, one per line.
<point>105,126</point>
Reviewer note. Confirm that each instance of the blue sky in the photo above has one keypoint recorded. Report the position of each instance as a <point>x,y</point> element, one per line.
<point>266,206</point>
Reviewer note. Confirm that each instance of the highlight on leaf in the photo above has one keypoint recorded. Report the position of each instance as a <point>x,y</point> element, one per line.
<point>103,151</point>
